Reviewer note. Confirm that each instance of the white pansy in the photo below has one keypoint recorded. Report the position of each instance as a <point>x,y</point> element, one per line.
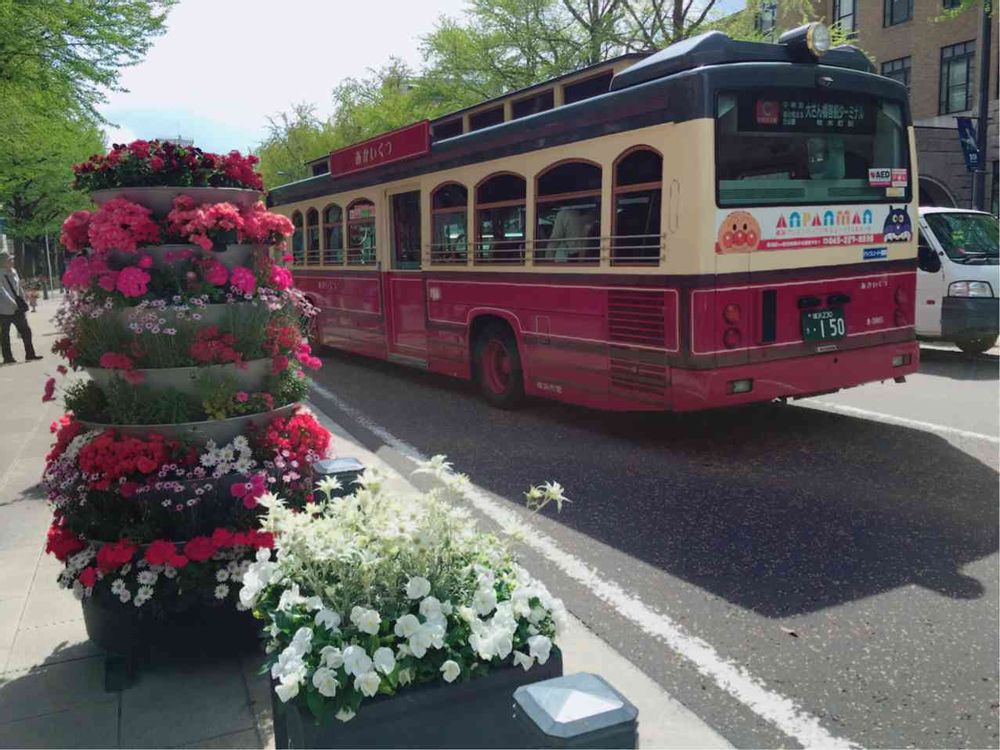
<point>485,600</point>
<point>405,677</point>
<point>384,660</point>
<point>332,657</point>
<point>467,613</point>
<point>523,660</point>
<point>290,597</point>
<point>367,683</point>
<point>302,641</point>
<point>539,647</point>
<point>356,660</point>
<point>431,609</point>
<point>366,620</point>
<point>450,670</point>
<point>286,691</point>
<point>417,587</point>
<point>263,555</point>
<point>328,619</point>
<point>406,626</point>
<point>325,681</point>
<point>344,714</point>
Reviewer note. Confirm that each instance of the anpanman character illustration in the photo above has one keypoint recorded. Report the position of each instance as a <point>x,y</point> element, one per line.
<point>738,233</point>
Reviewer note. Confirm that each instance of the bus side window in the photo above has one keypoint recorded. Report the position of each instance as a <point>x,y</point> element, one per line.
<point>638,193</point>
<point>449,235</point>
<point>361,232</point>
<point>333,235</point>
<point>298,254</point>
<point>568,213</point>
<point>500,217</point>
<point>312,237</point>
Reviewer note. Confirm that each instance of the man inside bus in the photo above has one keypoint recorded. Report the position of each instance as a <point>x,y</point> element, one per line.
<point>571,231</point>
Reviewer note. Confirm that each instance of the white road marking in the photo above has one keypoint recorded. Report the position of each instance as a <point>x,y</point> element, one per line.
<point>771,706</point>
<point>877,416</point>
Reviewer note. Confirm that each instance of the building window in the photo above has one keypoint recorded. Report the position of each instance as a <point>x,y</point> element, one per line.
<point>333,235</point>
<point>897,11</point>
<point>449,235</point>
<point>767,18</point>
<point>361,232</point>
<point>951,4</point>
<point>298,254</point>
<point>844,15</point>
<point>500,219</point>
<point>898,70</point>
<point>568,214</point>
<point>637,191</point>
<point>956,77</point>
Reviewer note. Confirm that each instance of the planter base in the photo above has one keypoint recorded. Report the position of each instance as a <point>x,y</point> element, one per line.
<point>478,713</point>
<point>130,639</point>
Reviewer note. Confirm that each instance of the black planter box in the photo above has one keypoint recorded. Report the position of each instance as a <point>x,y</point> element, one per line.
<point>477,713</point>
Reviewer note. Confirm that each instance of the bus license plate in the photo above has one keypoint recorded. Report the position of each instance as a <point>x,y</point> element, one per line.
<point>823,325</point>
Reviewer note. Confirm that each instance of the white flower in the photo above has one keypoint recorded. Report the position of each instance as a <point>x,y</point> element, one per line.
<point>221,591</point>
<point>466,613</point>
<point>302,641</point>
<point>328,485</point>
<point>366,620</point>
<point>485,601</point>
<point>125,595</point>
<point>367,683</point>
<point>344,714</point>
<point>147,578</point>
<point>523,660</point>
<point>170,571</point>
<point>406,626</point>
<point>325,681</point>
<point>289,598</point>
<point>437,466</point>
<point>143,595</point>
<point>417,587</point>
<point>332,657</point>
<point>328,619</point>
<point>117,586</point>
<point>405,677</point>
<point>221,575</point>
<point>289,665</point>
<point>286,691</point>
<point>356,661</point>
<point>539,647</point>
<point>450,670</point>
<point>431,609</point>
<point>385,662</point>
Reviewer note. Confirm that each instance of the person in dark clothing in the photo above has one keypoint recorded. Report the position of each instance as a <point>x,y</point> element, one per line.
<point>12,311</point>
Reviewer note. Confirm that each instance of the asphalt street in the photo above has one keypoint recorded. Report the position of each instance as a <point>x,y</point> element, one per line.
<point>841,552</point>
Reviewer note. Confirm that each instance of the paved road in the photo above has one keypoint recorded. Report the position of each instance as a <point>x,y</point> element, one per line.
<point>848,565</point>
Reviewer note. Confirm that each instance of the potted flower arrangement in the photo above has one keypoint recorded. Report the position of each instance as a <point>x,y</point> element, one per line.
<point>193,367</point>
<point>396,613</point>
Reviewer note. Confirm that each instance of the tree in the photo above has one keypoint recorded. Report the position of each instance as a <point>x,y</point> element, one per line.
<point>67,53</point>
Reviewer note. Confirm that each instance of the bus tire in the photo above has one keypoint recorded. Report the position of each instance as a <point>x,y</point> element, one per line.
<point>497,366</point>
<point>976,346</point>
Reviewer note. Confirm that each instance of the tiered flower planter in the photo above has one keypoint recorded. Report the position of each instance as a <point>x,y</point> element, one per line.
<point>156,522</point>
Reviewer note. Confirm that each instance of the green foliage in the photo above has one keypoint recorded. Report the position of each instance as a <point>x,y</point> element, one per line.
<point>86,401</point>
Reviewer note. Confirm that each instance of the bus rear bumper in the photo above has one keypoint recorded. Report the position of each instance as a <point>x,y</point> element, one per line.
<point>792,378</point>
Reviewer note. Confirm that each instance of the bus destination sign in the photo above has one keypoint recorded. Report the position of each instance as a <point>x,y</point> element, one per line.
<point>396,145</point>
<point>810,116</point>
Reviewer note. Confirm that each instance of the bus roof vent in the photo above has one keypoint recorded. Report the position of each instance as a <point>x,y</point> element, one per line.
<point>716,48</point>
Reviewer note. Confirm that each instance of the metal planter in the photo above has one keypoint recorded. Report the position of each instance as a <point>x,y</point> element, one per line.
<point>185,379</point>
<point>478,713</point>
<point>222,431</point>
<point>160,199</point>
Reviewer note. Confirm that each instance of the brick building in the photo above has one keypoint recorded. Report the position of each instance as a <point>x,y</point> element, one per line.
<point>938,59</point>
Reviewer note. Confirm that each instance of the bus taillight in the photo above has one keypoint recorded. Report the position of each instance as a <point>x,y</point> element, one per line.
<point>731,314</point>
<point>732,338</point>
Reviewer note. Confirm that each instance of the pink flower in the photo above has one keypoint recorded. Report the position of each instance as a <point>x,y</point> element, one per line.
<point>134,376</point>
<point>122,225</point>
<point>108,281</point>
<point>132,281</point>
<point>279,363</point>
<point>74,231</point>
<point>115,361</point>
<point>146,261</point>
<point>216,274</point>
<point>243,280</point>
<point>281,278</point>
<point>242,397</point>
<point>50,387</point>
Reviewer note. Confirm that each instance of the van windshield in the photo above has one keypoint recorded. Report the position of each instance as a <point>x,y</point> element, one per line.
<point>965,236</point>
<point>788,147</point>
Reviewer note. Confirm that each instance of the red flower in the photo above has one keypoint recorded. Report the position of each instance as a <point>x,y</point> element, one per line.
<point>132,281</point>
<point>74,231</point>
<point>88,577</point>
<point>163,552</point>
<point>222,538</point>
<point>62,543</point>
<point>200,548</point>
<point>115,554</point>
<point>50,388</point>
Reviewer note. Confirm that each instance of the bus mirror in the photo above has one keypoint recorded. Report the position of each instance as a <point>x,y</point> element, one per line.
<point>927,259</point>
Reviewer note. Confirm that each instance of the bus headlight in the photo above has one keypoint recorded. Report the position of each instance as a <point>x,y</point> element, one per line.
<point>813,38</point>
<point>970,289</point>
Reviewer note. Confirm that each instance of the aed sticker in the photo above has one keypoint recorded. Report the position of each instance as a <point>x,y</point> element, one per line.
<point>875,253</point>
<point>895,192</point>
<point>900,178</point>
<point>880,177</point>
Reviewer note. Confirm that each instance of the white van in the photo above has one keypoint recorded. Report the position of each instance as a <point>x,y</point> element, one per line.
<point>959,279</point>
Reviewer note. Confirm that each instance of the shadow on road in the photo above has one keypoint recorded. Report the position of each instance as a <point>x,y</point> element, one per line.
<point>959,365</point>
<point>781,510</point>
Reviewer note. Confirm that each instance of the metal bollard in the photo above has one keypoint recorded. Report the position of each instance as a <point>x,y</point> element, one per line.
<point>346,470</point>
<point>577,710</point>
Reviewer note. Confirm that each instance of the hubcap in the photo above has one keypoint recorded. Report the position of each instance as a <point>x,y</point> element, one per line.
<point>496,366</point>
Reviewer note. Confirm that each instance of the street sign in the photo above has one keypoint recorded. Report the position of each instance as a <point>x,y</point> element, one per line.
<point>967,137</point>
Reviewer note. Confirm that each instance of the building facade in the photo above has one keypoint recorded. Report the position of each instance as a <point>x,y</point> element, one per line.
<point>938,58</point>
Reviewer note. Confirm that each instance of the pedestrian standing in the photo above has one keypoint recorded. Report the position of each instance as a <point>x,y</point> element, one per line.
<point>12,311</point>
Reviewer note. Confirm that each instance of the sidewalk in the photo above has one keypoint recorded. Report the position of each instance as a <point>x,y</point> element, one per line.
<point>51,677</point>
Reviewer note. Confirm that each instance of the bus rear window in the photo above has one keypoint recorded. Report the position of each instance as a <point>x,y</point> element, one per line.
<point>791,147</point>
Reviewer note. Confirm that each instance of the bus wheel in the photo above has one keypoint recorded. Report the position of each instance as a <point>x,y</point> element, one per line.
<point>498,367</point>
<point>976,346</point>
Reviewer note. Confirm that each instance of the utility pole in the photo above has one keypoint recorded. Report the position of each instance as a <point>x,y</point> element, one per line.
<point>48,262</point>
<point>983,126</point>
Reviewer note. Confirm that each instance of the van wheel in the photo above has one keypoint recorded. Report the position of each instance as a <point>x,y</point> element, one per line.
<point>976,346</point>
<point>498,367</point>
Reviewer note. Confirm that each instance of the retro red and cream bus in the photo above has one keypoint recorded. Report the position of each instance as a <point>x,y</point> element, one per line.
<point>718,223</point>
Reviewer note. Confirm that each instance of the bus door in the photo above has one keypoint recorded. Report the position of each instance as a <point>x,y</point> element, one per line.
<point>403,290</point>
